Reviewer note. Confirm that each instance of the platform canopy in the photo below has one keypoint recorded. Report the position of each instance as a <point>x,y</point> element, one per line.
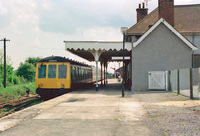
<point>98,50</point>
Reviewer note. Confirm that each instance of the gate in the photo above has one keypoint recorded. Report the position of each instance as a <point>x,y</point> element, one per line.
<point>157,80</point>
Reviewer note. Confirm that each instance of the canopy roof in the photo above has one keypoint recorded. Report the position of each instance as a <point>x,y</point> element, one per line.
<point>106,50</point>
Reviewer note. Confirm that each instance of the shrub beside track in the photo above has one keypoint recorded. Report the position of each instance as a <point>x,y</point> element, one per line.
<point>16,92</point>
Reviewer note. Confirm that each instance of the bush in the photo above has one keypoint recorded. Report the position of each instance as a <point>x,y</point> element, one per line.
<point>1,84</point>
<point>23,80</point>
<point>17,91</point>
<point>26,70</point>
<point>25,73</point>
<point>9,84</point>
<point>33,60</point>
<point>16,80</point>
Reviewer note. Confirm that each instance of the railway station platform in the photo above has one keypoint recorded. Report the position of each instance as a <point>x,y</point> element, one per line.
<point>81,113</point>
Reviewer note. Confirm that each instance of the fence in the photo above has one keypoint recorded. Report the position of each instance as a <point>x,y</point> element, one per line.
<point>185,82</point>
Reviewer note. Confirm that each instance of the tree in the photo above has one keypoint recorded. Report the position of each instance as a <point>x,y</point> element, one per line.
<point>9,74</point>
<point>8,62</point>
<point>27,70</point>
<point>9,68</point>
<point>33,60</point>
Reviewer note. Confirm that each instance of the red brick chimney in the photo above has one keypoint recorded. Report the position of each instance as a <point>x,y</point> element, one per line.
<point>141,12</point>
<point>166,10</point>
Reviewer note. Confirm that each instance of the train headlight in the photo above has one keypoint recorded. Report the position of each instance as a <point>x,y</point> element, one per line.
<point>40,85</point>
<point>62,85</point>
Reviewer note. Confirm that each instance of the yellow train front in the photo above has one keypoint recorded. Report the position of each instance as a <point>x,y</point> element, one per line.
<point>57,75</point>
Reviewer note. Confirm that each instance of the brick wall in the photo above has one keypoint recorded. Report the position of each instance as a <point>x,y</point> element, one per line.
<point>141,12</point>
<point>166,10</point>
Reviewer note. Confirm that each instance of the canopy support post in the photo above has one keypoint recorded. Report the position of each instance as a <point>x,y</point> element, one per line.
<point>96,55</point>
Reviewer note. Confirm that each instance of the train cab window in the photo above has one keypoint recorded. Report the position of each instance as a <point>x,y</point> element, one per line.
<point>42,71</point>
<point>52,71</point>
<point>62,71</point>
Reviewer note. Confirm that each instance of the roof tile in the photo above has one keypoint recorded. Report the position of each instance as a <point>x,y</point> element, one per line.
<point>185,20</point>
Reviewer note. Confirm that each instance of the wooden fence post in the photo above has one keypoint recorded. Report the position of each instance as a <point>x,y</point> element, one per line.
<point>169,80</point>
<point>191,84</point>
<point>178,82</point>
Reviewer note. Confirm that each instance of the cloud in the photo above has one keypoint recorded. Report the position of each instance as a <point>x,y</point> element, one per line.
<point>39,27</point>
<point>67,15</point>
<point>184,2</point>
<point>100,34</point>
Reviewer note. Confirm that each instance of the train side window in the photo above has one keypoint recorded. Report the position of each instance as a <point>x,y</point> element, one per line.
<point>72,72</point>
<point>79,76</point>
<point>52,71</point>
<point>75,74</point>
<point>42,71</point>
<point>62,71</point>
<point>88,73</point>
<point>83,73</point>
<point>75,70</point>
<point>78,73</point>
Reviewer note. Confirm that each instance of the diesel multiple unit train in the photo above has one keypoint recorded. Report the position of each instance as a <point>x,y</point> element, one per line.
<point>56,75</point>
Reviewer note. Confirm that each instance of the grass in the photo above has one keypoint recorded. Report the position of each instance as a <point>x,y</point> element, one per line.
<point>34,103</point>
<point>196,130</point>
<point>120,118</point>
<point>155,117</point>
<point>164,133</point>
<point>16,92</point>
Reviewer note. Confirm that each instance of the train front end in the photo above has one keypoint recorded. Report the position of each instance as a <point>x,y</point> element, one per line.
<point>52,77</point>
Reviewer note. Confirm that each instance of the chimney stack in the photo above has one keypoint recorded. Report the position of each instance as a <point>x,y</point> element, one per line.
<point>141,12</point>
<point>166,10</point>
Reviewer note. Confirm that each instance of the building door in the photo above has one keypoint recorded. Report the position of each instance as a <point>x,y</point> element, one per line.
<point>157,80</point>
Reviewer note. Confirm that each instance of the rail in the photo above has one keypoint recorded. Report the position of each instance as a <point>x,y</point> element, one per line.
<point>12,106</point>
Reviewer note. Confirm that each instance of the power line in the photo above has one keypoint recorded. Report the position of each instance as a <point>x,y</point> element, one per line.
<point>4,40</point>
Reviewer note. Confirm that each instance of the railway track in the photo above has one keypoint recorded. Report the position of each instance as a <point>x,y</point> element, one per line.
<point>12,106</point>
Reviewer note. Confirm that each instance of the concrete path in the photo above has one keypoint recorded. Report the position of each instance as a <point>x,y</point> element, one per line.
<point>81,113</point>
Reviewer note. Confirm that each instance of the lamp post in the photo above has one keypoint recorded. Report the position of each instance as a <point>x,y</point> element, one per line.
<point>123,30</point>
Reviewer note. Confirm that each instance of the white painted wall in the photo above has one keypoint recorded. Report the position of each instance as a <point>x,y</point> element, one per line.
<point>160,51</point>
<point>196,42</point>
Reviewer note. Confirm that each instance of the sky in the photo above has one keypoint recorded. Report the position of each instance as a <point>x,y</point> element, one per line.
<point>39,27</point>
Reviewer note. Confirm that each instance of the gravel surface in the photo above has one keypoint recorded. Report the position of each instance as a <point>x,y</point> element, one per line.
<point>171,115</point>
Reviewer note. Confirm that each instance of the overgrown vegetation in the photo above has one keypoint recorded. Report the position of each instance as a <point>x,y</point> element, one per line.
<point>24,74</point>
<point>27,69</point>
<point>16,92</point>
<point>17,81</point>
